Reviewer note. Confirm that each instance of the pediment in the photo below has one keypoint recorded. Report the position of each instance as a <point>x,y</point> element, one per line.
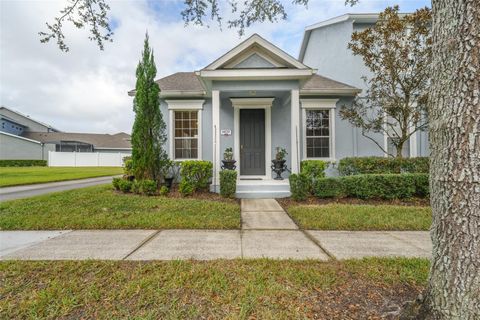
<point>256,53</point>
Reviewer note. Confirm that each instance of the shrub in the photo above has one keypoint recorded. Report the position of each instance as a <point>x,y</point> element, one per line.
<point>23,163</point>
<point>195,174</point>
<point>299,186</point>
<point>116,183</point>
<point>146,186</point>
<point>329,188</point>
<point>186,188</point>
<point>368,186</point>
<point>228,183</point>
<point>382,165</point>
<point>164,191</point>
<point>313,169</point>
<point>128,166</point>
<point>125,185</point>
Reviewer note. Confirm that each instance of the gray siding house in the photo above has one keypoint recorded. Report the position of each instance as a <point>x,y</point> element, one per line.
<point>24,138</point>
<point>254,99</point>
<point>325,47</point>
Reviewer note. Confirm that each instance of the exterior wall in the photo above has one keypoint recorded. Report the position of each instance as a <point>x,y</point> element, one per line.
<point>28,123</point>
<point>16,148</point>
<point>254,61</point>
<point>327,51</point>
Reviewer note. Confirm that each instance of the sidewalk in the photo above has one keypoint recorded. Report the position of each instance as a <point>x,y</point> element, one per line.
<point>25,191</point>
<point>267,232</point>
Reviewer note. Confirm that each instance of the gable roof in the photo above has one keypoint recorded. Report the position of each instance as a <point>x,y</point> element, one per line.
<point>28,117</point>
<point>120,140</point>
<point>354,17</point>
<point>258,43</point>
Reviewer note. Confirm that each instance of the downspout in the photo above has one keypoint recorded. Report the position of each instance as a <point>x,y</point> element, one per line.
<point>214,158</point>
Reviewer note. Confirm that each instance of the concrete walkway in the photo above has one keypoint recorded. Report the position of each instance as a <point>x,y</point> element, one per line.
<point>267,232</point>
<point>18,192</point>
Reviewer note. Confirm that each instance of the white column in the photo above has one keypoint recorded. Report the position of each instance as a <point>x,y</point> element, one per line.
<point>216,136</point>
<point>295,131</point>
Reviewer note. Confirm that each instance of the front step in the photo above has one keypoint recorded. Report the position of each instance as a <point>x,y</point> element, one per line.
<point>251,189</point>
<point>264,194</point>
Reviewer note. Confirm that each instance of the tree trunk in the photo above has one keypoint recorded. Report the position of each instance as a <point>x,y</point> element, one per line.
<point>453,291</point>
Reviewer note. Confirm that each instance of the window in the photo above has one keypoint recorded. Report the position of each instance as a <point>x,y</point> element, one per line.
<point>318,128</point>
<point>186,134</point>
<point>185,129</point>
<point>317,123</point>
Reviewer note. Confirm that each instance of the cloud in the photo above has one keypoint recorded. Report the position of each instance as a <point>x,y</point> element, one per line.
<point>85,90</point>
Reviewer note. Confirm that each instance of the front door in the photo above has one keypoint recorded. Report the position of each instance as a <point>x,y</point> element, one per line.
<point>252,142</point>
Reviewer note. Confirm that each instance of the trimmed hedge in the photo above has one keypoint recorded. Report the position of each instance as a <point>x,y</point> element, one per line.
<point>299,186</point>
<point>23,163</point>
<point>313,168</point>
<point>147,187</point>
<point>369,186</point>
<point>228,183</point>
<point>195,175</point>
<point>382,165</point>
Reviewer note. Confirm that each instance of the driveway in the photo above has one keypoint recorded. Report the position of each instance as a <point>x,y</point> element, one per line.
<point>18,192</point>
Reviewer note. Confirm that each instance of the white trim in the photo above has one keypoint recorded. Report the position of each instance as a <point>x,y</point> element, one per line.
<point>185,105</point>
<point>413,143</point>
<point>19,137</point>
<point>337,92</point>
<point>255,39</point>
<point>320,104</point>
<point>253,103</point>
<point>251,74</point>
<point>295,131</point>
<point>216,136</point>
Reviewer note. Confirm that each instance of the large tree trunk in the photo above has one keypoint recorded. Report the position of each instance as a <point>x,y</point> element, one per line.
<point>453,290</point>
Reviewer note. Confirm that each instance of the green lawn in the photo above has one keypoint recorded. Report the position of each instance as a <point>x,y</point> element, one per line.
<point>15,176</point>
<point>220,289</point>
<point>100,207</point>
<point>361,217</point>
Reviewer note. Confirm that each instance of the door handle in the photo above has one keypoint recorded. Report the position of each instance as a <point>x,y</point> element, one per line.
<point>241,148</point>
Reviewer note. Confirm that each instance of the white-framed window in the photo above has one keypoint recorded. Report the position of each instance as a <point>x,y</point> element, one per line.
<point>185,134</point>
<point>318,128</point>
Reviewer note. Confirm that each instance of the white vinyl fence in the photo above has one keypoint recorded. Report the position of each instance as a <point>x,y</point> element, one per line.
<point>86,159</point>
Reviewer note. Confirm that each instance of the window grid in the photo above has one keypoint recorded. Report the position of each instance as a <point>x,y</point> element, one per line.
<point>317,125</point>
<point>186,134</point>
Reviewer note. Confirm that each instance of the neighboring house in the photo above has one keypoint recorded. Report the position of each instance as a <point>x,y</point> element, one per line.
<point>324,47</point>
<point>22,137</point>
<point>255,98</point>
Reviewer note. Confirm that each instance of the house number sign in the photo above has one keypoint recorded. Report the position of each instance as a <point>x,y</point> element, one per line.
<point>226,132</point>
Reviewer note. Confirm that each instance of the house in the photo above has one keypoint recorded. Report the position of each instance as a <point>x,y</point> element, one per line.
<point>255,98</point>
<point>324,47</point>
<point>24,138</point>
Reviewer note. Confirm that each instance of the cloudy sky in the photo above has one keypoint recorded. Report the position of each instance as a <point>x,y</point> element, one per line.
<point>85,90</point>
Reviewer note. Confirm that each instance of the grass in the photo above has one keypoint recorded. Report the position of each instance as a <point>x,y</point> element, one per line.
<point>361,217</point>
<point>220,289</point>
<point>15,176</point>
<point>100,207</point>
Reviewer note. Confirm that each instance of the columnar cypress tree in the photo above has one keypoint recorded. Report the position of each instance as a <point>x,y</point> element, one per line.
<point>148,133</point>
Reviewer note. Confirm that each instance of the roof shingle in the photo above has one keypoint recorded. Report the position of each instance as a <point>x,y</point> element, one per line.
<point>120,140</point>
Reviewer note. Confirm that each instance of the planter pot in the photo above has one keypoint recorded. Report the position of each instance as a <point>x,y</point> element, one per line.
<point>229,164</point>
<point>279,166</point>
<point>168,183</point>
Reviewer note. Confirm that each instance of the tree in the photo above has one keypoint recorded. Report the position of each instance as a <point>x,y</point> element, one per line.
<point>453,290</point>
<point>94,13</point>
<point>148,132</point>
<point>397,52</point>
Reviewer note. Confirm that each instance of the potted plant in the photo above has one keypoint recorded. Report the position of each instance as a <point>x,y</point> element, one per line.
<point>170,173</point>
<point>228,163</point>
<point>278,164</point>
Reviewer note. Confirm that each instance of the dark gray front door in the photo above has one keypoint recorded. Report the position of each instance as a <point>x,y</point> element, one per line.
<point>252,142</point>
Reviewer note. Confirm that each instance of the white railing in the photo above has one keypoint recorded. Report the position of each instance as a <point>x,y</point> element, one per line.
<point>86,159</point>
